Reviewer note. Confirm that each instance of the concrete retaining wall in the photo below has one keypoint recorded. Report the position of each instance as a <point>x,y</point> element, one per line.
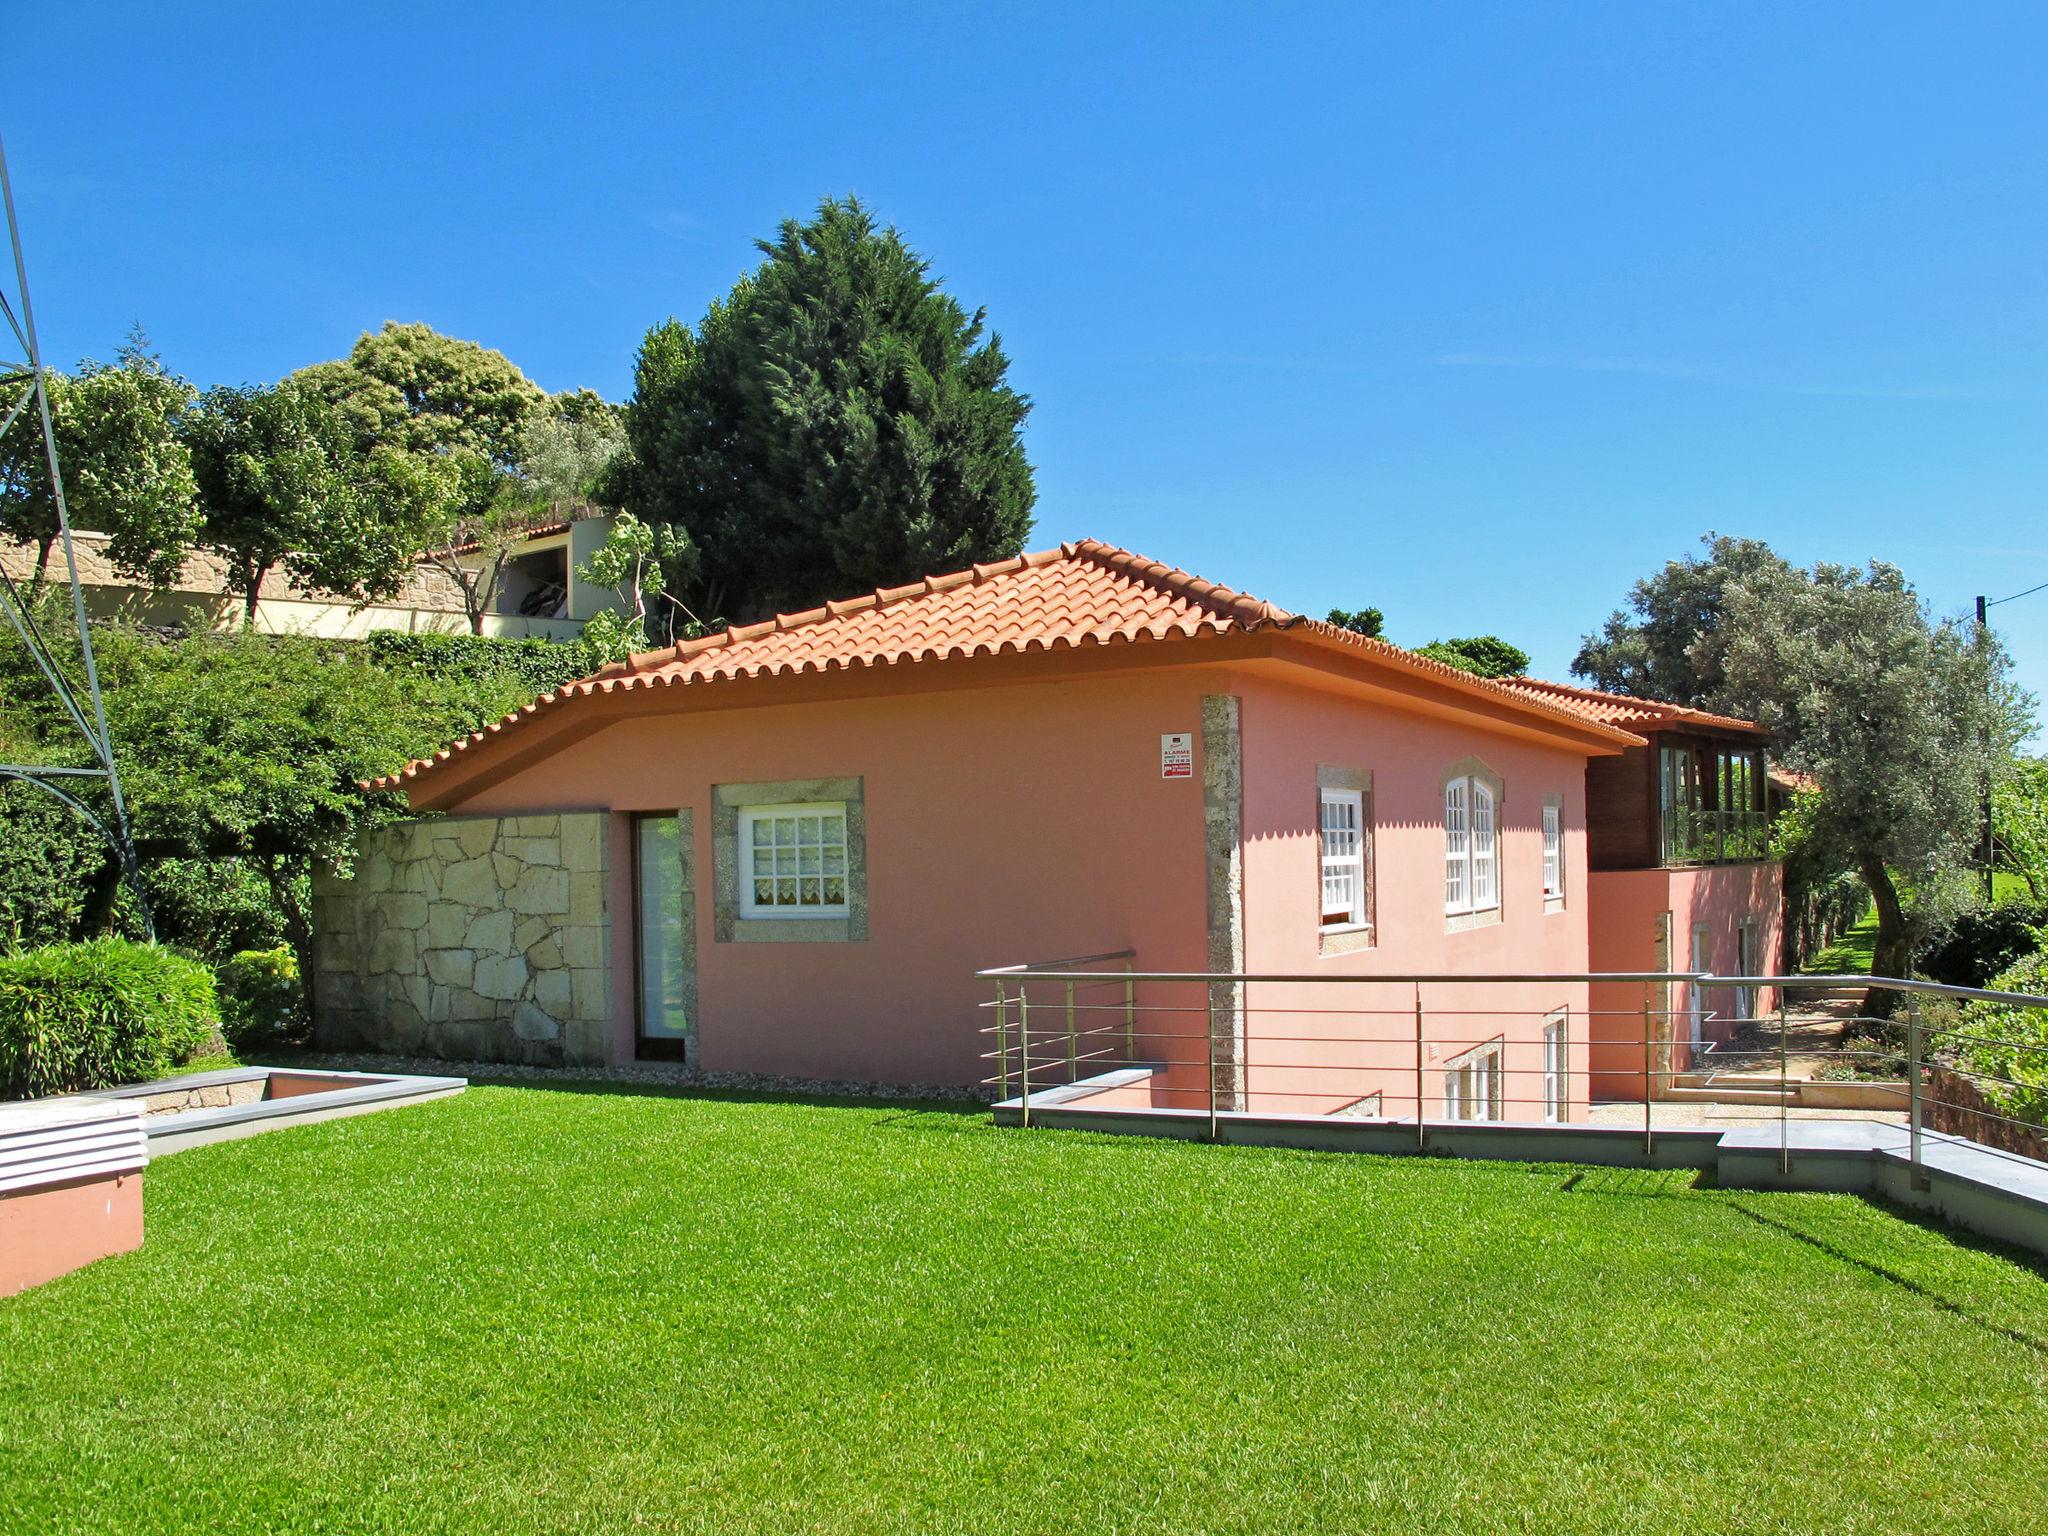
<point>481,938</point>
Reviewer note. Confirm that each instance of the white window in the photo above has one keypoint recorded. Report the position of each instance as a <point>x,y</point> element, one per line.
<point>1457,849</point>
<point>1555,1070</point>
<point>793,860</point>
<point>1471,850</point>
<point>1553,849</point>
<point>1472,1087</point>
<point>1343,858</point>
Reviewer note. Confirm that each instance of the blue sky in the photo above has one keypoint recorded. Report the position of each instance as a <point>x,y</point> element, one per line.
<point>1470,312</point>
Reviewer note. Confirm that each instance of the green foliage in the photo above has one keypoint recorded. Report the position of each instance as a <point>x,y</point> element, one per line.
<point>838,422</point>
<point>2019,822</point>
<point>2010,1042</point>
<point>261,1000</point>
<point>1984,941</point>
<point>55,871</point>
<point>1899,719</point>
<point>126,471</point>
<point>210,907</point>
<point>629,562</point>
<point>278,481</point>
<point>411,388</point>
<point>475,679</point>
<point>1482,655</point>
<point>1360,621</point>
<point>1666,644</point>
<point>93,1015</point>
<point>566,452</point>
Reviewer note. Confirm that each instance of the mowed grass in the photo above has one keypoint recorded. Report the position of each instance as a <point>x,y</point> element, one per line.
<point>542,1310</point>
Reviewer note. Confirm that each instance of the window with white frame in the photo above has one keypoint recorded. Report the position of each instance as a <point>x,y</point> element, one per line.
<point>1471,848</point>
<point>1473,1088</point>
<point>1553,849</point>
<point>793,860</point>
<point>1343,838</point>
<point>1555,1068</point>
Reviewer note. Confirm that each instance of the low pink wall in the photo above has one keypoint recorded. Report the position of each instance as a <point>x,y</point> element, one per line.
<point>1303,1058</point>
<point>49,1232</point>
<point>1627,905</point>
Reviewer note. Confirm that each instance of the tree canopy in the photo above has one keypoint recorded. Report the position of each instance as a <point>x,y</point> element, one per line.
<point>1360,621</point>
<point>276,475</point>
<point>126,471</point>
<point>837,422</point>
<point>412,388</point>
<point>1481,655</point>
<point>1901,721</point>
<point>1666,643</point>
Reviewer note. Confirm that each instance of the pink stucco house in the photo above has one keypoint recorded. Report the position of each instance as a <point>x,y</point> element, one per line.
<point>789,847</point>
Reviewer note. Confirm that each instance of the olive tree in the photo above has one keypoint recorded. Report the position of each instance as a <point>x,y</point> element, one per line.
<point>1899,719</point>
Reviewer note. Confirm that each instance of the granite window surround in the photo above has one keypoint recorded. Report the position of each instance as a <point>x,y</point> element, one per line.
<point>729,925</point>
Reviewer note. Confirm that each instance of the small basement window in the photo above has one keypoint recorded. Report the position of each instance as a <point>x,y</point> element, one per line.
<point>793,860</point>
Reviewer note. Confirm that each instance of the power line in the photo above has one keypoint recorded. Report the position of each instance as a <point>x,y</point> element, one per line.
<point>2017,595</point>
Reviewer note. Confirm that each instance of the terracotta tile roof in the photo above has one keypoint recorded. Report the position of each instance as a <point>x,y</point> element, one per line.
<point>1075,596</point>
<point>1629,713</point>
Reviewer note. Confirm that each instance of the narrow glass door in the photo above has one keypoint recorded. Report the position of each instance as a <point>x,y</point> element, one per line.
<point>659,913</point>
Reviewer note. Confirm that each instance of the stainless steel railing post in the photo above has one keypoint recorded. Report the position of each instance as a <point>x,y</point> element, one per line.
<point>1209,994</point>
<point>1072,1064</point>
<point>1784,1090</point>
<point>1915,1048</point>
<point>1649,1076</point>
<point>1130,1014</point>
<point>1421,1103</point>
<point>1003,1037</point>
<point>1024,1048</point>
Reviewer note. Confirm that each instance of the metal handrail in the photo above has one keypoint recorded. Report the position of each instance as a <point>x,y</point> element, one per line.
<point>1078,1028</point>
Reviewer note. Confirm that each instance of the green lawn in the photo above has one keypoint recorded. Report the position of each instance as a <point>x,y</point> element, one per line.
<point>543,1310</point>
<point>1852,953</point>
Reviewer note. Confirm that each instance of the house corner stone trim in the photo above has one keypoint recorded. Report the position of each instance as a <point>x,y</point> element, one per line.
<point>1223,839</point>
<point>475,938</point>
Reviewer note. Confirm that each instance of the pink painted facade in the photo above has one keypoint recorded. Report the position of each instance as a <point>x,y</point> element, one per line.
<point>1031,821</point>
<point>1725,918</point>
<point>1004,734</point>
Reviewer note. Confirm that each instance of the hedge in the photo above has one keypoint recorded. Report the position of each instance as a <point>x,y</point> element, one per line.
<point>2008,1045</point>
<point>98,1014</point>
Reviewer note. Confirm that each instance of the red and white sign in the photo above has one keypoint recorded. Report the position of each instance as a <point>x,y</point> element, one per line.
<point>1177,755</point>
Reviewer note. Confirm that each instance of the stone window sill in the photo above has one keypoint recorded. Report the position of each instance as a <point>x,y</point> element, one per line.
<point>1460,922</point>
<point>1552,905</point>
<point>792,930</point>
<point>1348,940</point>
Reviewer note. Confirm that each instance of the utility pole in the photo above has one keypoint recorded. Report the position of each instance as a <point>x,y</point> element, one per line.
<point>1990,841</point>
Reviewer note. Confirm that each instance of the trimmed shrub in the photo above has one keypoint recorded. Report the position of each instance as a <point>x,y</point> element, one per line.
<point>55,871</point>
<point>260,999</point>
<point>1980,944</point>
<point>94,1015</point>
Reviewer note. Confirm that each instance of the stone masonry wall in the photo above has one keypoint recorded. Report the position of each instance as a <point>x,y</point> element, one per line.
<point>476,938</point>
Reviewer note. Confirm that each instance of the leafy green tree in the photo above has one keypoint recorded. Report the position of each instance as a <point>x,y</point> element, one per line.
<point>837,422</point>
<point>1481,655</point>
<point>630,563</point>
<point>412,388</point>
<point>126,471</point>
<point>1360,621</point>
<point>2019,821</point>
<point>1666,644</point>
<point>1897,718</point>
<point>276,472</point>
<point>567,452</point>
